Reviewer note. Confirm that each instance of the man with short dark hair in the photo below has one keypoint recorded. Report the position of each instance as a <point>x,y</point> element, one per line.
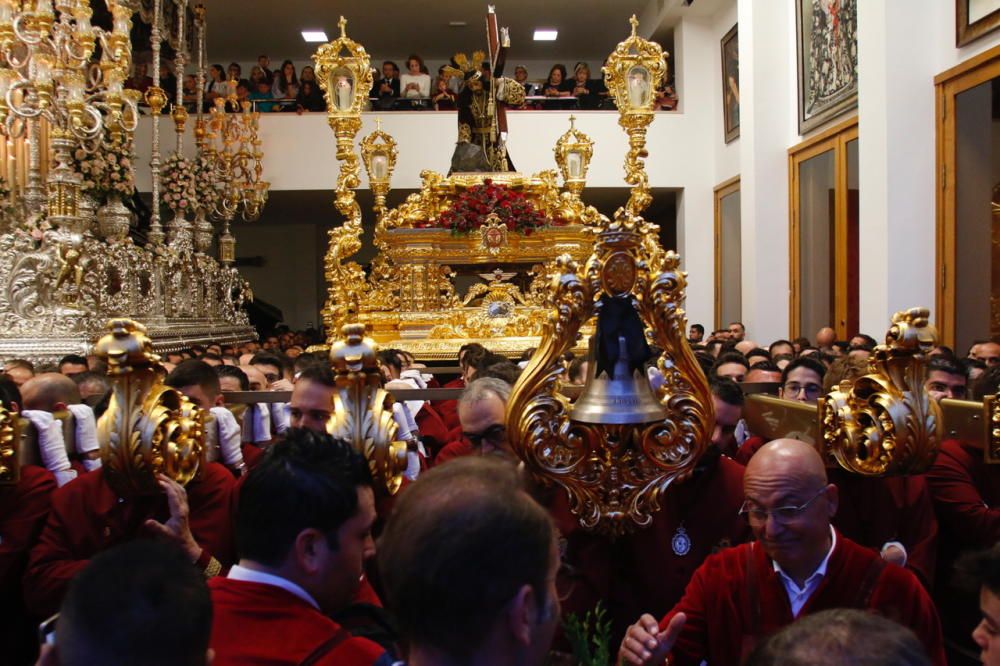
<point>696,333</point>
<point>462,522</point>
<point>841,636</point>
<point>728,400</point>
<point>779,347</point>
<point>92,386</point>
<point>737,331</point>
<point>731,365</point>
<point>198,381</point>
<point>945,378</point>
<point>798,565</point>
<point>71,364</point>
<point>139,603</point>
<point>802,380</point>
<point>303,531</point>
<point>764,372</point>
<point>311,405</point>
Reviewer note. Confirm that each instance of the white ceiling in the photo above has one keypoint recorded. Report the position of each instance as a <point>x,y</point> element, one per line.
<point>241,29</point>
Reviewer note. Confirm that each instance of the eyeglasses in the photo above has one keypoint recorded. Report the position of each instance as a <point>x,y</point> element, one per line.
<point>783,514</point>
<point>494,435</point>
<point>793,389</point>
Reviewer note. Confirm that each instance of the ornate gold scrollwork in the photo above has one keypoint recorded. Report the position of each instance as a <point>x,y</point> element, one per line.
<point>148,428</point>
<point>343,71</point>
<point>884,423</point>
<point>613,474</point>
<point>10,440</point>
<point>362,412</point>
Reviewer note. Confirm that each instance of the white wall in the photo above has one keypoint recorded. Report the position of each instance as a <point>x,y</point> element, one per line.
<point>767,89</point>
<point>300,151</point>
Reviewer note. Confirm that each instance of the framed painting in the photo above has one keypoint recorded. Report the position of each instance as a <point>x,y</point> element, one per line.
<point>731,84</point>
<point>975,18</point>
<point>827,45</point>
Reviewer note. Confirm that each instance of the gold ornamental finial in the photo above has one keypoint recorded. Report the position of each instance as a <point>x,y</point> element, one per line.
<point>635,26</point>
<point>343,27</point>
<point>362,409</point>
<point>884,423</point>
<point>148,428</point>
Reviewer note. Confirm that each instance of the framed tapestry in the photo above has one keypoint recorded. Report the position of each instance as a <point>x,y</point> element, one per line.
<point>827,45</point>
<point>731,84</point>
<point>975,18</point>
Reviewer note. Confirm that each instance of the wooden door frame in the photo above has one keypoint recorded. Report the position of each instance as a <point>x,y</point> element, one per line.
<point>836,139</point>
<point>947,86</point>
<point>720,192</point>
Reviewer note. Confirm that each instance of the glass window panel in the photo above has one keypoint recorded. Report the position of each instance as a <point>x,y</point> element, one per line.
<point>816,227</point>
<point>730,249</point>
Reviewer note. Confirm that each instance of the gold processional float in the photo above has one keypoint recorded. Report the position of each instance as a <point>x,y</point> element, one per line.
<point>619,446</point>
<point>67,261</point>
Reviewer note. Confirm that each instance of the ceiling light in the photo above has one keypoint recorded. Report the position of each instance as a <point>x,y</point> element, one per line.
<point>314,36</point>
<point>457,24</point>
<point>546,35</point>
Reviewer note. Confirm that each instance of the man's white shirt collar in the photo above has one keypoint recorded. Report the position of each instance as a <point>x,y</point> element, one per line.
<point>251,576</point>
<point>798,596</point>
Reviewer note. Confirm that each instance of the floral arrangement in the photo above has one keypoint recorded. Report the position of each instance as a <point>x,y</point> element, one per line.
<point>473,206</point>
<point>177,179</point>
<point>107,171</point>
<point>206,183</point>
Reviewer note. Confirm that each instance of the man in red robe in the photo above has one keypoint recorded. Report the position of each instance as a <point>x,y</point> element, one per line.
<point>23,508</point>
<point>88,516</point>
<point>798,565</point>
<point>966,492</point>
<point>303,530</point>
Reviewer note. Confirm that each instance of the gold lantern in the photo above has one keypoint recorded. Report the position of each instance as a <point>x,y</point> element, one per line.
<point>343,71</point>
<point>632,74</point>
<point>618,448</point>
<point>573,152</point>
<point>378,151</point>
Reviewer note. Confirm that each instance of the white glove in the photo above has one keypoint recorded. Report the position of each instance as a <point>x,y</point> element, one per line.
<point>51,445</point>
<point>281,417</point>
<point>86,435</point>
<point>229,438</point>
<point>412,465</point>
<point>407,426</point>
<point>257,423</point>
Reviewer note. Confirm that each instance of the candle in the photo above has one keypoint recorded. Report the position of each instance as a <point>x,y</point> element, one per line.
<point>43,69</point>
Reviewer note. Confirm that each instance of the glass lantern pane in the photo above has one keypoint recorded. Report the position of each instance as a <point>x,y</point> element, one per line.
<point>639,88</point>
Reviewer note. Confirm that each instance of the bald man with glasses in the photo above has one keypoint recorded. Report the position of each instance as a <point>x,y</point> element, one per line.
<point>798,565</point>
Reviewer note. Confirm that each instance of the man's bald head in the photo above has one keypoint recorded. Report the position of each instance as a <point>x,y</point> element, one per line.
<point>50,392</point>
<point>791,458</point>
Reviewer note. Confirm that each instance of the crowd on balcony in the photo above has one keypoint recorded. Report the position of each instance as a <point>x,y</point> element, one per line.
<point>290,89</point>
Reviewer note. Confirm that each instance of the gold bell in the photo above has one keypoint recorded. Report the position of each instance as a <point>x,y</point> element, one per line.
<point>624,398</point>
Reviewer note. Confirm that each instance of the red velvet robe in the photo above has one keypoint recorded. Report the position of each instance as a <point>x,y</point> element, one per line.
<point>640,572</point>
<point>966,493</point>
<point>722,628</point>
<point>433,430</point>
<point>265,625</point>
<point>23,509</point>
<point>88,517</point>
<point>876,510</point>
<point>448,409</point>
